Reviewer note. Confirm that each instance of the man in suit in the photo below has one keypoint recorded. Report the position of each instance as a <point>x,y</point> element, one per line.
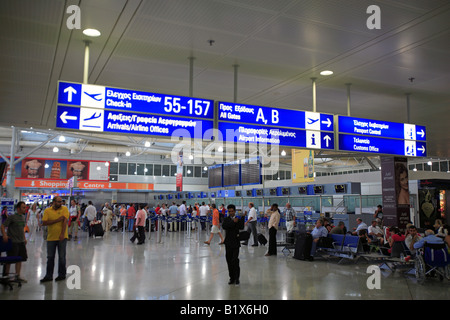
<point>232,224</point>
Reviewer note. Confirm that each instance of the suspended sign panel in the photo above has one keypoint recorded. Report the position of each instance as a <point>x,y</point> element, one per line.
<point>381,137</point>
<point>267,116</point>
<point>269,135</point>
<point>101,97</point>
<point>90,119</point>
<point>382,129</point>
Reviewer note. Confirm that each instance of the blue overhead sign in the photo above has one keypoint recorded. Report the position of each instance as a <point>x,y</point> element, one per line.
<point>244,133</point>
<point>376,145</point>
<point>101,97</point>
<point>267,116</point>
<point>381,137</point>
<point>382,129</point>
<point>91,119</point>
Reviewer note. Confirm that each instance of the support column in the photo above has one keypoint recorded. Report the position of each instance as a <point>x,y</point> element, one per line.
<point>11,174</point>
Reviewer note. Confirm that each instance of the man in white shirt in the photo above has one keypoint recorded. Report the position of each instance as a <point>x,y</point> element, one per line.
<point>183,214</point>
<point>251,223</point>
<point>361,226</point>
<point>290,218</point>
<point>375,231</point>
<point>203,213</point>
<point>90,213</point>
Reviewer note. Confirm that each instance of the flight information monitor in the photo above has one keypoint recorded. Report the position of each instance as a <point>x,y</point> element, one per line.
<point>231,174</point>
<point>215,176</point>
<point>251,171</point>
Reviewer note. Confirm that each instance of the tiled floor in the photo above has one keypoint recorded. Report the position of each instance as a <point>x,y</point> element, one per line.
<point>182,267</point>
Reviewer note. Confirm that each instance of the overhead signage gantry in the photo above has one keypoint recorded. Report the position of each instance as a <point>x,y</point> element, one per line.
<point>97,108</point>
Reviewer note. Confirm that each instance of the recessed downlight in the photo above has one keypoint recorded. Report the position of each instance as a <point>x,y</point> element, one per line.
<point>91,32</point>
<point>326,73</point>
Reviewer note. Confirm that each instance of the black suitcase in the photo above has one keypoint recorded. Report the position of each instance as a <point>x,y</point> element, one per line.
<point>262,239</point>
<point>97,230</point>
<point>303,246</point>
<point>290,238</point>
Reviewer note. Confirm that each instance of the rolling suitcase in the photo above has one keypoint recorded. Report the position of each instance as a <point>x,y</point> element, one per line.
<point>97,230</point>
<point>290,238</point>
<point>262,239</point>
<point>303,247</point>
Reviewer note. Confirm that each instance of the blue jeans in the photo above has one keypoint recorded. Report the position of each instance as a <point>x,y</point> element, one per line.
<point>52,246</point>
<point>130,224</point>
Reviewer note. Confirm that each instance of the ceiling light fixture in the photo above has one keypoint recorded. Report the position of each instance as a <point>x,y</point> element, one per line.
<point>283,153</point>
<point>91,32</point>
<point>128,153</point>
<point>55,149</point>
<point>326,73</point>
<point>116,159</point>
<point>62,138</point>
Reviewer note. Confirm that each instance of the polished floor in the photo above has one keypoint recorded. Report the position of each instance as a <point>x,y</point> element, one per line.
<point>182,267</point>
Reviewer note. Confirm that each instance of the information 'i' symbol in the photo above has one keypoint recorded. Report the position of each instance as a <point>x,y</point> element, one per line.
<point>313,140</point>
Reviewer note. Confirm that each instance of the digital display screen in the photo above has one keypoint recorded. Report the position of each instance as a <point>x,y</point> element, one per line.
<point>251,172</point>
<point>340,188</point>
<point>285,191</point>
<point>273,192</point>
<point>231,174</point>
<point>302,190</point>
<point>238,193</point>
<point>215,176</point>
<point>318,189</point>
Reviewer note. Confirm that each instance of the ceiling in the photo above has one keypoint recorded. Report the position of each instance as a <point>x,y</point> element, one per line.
<point>278,46</point>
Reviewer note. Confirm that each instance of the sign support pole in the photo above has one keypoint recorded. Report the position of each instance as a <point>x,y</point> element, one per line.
<point>235,66</point>
<point>348,98</point>
<point>314,94</point>
<point>191,76</point>
<point>408,115</point>
<point>86,62</point>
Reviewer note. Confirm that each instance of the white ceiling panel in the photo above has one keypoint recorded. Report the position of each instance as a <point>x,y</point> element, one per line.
<point>279,46</point>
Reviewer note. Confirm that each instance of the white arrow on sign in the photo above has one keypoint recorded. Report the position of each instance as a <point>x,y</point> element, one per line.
<point>70,91</point>
<point>64,117</point>
<point>327,139</point>
<point>328,123</point>
<point>422,133</point>
<point>421,149</point>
